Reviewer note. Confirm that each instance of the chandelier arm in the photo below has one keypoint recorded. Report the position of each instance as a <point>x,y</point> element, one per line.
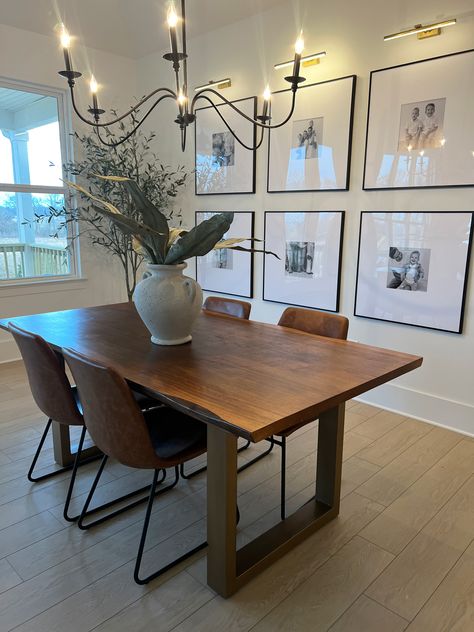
<point>250,148</point>
<point>169,93</point>
<point>127,136</point>
<point>201,95</point>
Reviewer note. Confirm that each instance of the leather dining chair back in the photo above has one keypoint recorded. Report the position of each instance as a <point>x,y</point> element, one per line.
<point>55,397</point>
<point>113,417</point>
<point>155,439</point>
<point>227,306</point>
<point>314,322</point>
<point>48,381</point>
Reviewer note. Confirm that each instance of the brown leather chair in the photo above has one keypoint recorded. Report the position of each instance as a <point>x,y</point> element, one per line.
<point>312,322</point>
<point>58,400</point>
<point>156,439</point>
<point>227,306</point>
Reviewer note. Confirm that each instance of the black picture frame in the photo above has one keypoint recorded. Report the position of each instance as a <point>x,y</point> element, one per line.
<point>250,152</point>
<point>250,255</point>
<point>462,304</point>
<point>340,241</point>
<point>346,186</point>
<point>370,95</point>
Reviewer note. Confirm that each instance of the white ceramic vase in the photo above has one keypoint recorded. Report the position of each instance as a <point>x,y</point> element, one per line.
<point>168,303</point>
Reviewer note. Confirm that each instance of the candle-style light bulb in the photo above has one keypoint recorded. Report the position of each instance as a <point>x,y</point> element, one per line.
<point>172,22</point>
<point>182,102</point>
<point>267,95</point>
<point>172,17</point>
<point>65,37</point>
<point>66,43</point>
<point>95,103</point>
<point>299,44</point>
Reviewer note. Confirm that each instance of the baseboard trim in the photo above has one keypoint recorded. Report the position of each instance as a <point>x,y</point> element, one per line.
<point>8,351</point>
<point>423,407</point>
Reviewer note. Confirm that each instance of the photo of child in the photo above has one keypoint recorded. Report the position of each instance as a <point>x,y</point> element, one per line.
<point>421,125</point>
<point>223,150</point>
<point>408,269</point>
<point>307,136</point>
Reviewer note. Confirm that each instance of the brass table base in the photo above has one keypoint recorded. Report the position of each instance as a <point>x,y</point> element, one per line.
<point>228,569</point>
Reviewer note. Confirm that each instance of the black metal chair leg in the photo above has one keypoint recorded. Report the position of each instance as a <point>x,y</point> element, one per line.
<point>146,522</point>
<point>66,468</point>
<point>73,478</point>
<point>85,513</point>
<point>202,469</point>
<point>283,479</point>
<point>243,467</point>
<point>37,453</point>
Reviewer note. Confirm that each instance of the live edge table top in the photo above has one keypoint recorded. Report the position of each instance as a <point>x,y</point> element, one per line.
<point>250,378</point>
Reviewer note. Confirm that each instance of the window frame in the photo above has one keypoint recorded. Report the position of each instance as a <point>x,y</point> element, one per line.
<point>67,156</point>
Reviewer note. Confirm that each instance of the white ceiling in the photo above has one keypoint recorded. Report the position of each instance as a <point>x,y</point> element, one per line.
<point>15,100</point>
<point>133,28</point>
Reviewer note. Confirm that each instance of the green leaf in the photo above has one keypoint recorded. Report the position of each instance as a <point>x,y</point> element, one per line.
<point>128,225</point>
<point>151,215</point>
<point>201,239</point>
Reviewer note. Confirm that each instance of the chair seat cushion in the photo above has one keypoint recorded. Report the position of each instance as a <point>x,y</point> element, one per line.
<point>174,434</point>
<point>144,401</point>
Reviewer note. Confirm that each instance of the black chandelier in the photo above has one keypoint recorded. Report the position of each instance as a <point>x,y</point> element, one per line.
<point>186,108</point>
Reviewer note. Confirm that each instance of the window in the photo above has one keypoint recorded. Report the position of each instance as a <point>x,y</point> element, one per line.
<point>32,152</point>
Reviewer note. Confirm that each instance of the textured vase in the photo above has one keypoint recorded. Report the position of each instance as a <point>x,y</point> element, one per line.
<point>168,303</point>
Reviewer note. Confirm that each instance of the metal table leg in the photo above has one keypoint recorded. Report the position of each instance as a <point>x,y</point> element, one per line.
<point>64,453</point>
<point>228,568</point>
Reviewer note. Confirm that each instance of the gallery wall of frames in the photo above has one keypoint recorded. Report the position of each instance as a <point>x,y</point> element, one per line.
<point>412,265</point>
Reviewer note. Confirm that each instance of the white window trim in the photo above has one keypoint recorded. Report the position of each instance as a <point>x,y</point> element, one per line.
<point>67,156</point>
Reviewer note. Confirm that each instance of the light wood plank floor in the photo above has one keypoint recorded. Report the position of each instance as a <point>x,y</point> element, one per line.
<point>399,557</point>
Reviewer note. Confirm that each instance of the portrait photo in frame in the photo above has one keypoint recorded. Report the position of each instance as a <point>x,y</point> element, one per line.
<point>223,166</point>
<point>309,244</point>
<point>312,151</point>
<point>228,271</point>
<point>412,267</point>
<point>420,124</point>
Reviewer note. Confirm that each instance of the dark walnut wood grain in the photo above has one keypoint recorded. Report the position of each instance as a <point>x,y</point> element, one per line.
<point>251,378</point>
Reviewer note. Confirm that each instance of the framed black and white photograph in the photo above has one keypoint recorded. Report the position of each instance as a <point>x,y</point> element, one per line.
<point>413,266</point>
<point>309,246</point>
<point>228,271</point>
<point>312,151</point>
<point>222,165</point>
<point>420,125</point>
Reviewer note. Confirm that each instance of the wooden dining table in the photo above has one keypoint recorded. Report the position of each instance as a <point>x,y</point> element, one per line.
<point>243,379</point>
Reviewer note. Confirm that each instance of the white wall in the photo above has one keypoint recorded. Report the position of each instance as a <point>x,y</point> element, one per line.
<point>351,33</point>
<point>35,58</point>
